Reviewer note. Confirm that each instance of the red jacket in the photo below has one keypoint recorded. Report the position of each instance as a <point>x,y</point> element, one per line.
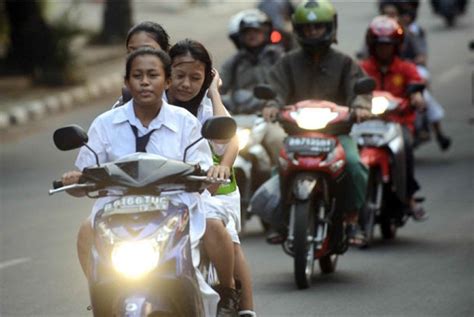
<point>395,80</point>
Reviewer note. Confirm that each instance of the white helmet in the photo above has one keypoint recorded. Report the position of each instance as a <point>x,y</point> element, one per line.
<point>250,16</point>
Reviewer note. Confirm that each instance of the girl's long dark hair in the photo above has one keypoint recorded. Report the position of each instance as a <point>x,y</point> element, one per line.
<point>197,51</point>
<point>155,30</point>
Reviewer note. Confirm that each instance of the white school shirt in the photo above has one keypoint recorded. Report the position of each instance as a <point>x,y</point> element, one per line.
<point>204,112</point>
<point>111,137</point>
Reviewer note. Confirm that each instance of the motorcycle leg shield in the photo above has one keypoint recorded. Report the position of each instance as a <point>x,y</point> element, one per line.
<point>265,201</point>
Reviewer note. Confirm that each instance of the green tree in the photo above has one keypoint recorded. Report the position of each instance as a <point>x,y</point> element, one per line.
<point>37,48</point>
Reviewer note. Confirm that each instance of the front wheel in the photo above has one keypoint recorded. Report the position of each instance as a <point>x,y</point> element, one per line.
<point>373,203</point>
<point>303,244</point>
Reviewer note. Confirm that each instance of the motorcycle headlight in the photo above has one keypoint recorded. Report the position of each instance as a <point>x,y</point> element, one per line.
<point>135,258</point>
<point>379,105</point>
<point>244,137</point>
<point>313,118</point>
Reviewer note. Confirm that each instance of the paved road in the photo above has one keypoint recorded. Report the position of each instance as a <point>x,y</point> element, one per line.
<point>427,271</point>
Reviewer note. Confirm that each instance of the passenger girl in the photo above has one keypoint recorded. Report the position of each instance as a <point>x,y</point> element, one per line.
<point>194,86</point>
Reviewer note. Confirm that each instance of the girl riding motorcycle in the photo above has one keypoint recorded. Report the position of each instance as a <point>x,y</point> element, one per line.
<point>146,124</point>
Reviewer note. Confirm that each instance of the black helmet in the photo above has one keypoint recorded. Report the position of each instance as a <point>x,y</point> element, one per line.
<point>315,12</point>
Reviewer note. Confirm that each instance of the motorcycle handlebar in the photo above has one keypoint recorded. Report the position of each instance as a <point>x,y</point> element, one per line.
<point>208,180</point>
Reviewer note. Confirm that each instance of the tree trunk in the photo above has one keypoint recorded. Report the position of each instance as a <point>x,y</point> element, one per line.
<point>30,37</point>
<point>116,22</point>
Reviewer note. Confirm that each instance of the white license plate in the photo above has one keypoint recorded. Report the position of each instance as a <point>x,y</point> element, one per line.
<point>309,145</point>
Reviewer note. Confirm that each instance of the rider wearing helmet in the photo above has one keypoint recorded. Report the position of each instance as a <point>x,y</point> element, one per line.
<point>412,48</point>
<point>434,110</point>
<point>250,65</point>
<point>384,39</point>
<point>317,71</point>
<point>280,13</point>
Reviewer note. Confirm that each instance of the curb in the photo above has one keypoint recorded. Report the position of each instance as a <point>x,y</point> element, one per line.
<point>71,98</point>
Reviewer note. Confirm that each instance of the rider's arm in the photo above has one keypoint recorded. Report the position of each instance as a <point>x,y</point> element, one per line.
<point>72,177</point>
<point>413,77</point>
<point>85,158</point>
<point>351,73</point>
<point>279,79</point>
<point>420,47</point>
<point>218,108</point>
<point>231,147</point>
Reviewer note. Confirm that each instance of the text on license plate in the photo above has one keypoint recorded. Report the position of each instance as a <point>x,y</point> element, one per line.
<point>310,144</point>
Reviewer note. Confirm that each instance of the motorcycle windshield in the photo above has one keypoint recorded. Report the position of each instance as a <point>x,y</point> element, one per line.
<point>139,170</point>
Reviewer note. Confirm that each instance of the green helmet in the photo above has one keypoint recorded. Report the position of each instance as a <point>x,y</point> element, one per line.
<point>315,12</point>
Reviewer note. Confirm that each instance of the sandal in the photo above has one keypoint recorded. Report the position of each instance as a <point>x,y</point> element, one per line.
<point>418,213</point>
<point>355,236</point>
<point>275,237</point>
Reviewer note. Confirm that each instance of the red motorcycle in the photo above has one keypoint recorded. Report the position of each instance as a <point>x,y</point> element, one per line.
<point>312,164</point>
<point>382,149</point>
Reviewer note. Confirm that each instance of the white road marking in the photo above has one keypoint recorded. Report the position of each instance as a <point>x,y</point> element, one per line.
<point>13,262</point>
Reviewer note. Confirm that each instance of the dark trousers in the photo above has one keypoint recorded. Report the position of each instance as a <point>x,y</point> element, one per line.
<point>412,184</point>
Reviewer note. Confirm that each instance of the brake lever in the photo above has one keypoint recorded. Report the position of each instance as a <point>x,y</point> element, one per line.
<point>72,186</point>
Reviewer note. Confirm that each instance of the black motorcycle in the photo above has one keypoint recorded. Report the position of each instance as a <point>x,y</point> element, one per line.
<point>141,256</point>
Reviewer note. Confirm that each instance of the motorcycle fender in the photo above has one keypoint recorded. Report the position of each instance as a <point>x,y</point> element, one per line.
<point>139,306</point>
<point>397,147</point>
<point>373,157</point>
<point>303,186</point>
<point>184,301</point>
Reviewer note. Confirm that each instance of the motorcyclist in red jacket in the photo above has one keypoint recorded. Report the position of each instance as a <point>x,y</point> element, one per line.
<point>384,39</point>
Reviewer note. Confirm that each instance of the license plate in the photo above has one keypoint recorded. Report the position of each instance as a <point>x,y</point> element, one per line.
<point>370,127</point>
<point>309,145</point>
<point>136,204</point>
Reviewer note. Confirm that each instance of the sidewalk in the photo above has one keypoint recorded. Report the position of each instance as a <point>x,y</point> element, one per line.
<point>102,66</point>
<point>20,101</point>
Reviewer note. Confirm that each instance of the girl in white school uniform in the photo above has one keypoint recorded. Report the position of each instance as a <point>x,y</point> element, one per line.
<point>194,86</point>
<point>217,241</point>
<point>171,129</point>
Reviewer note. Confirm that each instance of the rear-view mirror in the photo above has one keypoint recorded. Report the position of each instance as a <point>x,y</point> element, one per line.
<point>219,128</point>
<point>70,138</point>
<point>364,86</point>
